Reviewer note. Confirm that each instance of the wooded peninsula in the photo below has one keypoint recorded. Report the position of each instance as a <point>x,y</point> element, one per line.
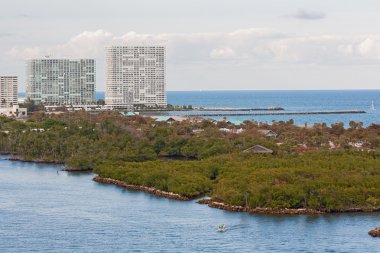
<point>320,168</point>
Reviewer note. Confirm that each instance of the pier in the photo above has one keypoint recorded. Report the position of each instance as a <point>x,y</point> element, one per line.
<point>215,109</point>
<point>271,113</point>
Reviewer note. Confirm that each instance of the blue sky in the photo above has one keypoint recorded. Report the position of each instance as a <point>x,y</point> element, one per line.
<point>211,44</point>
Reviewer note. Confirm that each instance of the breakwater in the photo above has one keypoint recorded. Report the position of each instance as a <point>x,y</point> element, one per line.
<point>271,113</point>
<point>215,109</point>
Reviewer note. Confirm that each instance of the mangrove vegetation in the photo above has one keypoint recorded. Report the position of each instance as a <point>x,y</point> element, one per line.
<point>328,168</point>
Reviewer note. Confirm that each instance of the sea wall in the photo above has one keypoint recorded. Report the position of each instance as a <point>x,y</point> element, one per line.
<point>223,206</point>
<point>151,190</point>
<point>259,210</point>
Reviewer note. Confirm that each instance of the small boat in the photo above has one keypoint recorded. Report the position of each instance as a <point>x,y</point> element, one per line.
<point>222,228</point>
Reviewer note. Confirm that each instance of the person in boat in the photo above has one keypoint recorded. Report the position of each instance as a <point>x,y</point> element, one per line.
<point>222,228</point>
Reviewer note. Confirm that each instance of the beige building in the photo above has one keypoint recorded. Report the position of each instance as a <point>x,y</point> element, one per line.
<point>8,98</point>
<point>8,91</point>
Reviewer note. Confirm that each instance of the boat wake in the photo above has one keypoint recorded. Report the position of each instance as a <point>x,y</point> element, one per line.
<point>238,226</point>
<point>223,228</point>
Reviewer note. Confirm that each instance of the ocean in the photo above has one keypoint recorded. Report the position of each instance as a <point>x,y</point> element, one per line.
<point>290,100</point>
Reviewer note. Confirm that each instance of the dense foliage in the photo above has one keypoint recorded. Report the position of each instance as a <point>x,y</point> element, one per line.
<point>335,181</point>
<point>305,171</point>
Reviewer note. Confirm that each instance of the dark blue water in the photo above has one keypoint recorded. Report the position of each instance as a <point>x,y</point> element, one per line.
<point>42,211</point>
<point>292,101</point>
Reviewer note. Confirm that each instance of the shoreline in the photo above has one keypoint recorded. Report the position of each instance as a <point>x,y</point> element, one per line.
<point>40,161</point>
<point>21,159</point>
<point>219,205</point>
<point>259,210</point>
<point>210,202</point>
<point>151,190</point>
<point>76,169</point>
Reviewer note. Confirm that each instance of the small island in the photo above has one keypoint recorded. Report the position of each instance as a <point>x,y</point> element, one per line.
<point>253,167</point>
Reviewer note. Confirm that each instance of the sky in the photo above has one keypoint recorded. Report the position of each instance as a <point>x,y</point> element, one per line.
<point>211,44</point>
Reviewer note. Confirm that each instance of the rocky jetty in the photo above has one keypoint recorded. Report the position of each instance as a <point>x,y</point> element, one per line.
<point>375,232</point>
<point>271,113</point>
<point>151,190</point>
<point>258,210</point>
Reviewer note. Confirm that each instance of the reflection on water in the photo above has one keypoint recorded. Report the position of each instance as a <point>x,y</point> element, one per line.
<point>41,210</point>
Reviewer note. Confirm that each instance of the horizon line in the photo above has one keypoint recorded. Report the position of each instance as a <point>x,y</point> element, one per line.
<point>202,90</point>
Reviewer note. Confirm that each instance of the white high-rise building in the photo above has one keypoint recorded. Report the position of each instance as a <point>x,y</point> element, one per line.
<point>136,76</point>
<point>61,81</point>
<point>8,91</point>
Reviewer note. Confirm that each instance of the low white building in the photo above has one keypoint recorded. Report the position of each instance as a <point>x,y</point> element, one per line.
<point>358,144</point>
<point>14,111</point>
<point>235,131</point>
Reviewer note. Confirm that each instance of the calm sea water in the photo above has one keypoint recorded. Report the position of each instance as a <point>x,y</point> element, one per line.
<point>291,101</point>
<point>42,211</point>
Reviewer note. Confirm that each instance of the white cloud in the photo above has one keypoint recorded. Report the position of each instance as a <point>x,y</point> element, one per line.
<point>346,50</point>
<point>250,46</point>
<point>370,47</point>
<point>86,44</point>
<point>24,53</point>
<point>222,53</point>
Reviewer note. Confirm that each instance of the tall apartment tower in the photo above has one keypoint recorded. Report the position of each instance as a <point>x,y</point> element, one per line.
<point>61,81</point>
<point>8,91</point>
<point>135,76</point>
